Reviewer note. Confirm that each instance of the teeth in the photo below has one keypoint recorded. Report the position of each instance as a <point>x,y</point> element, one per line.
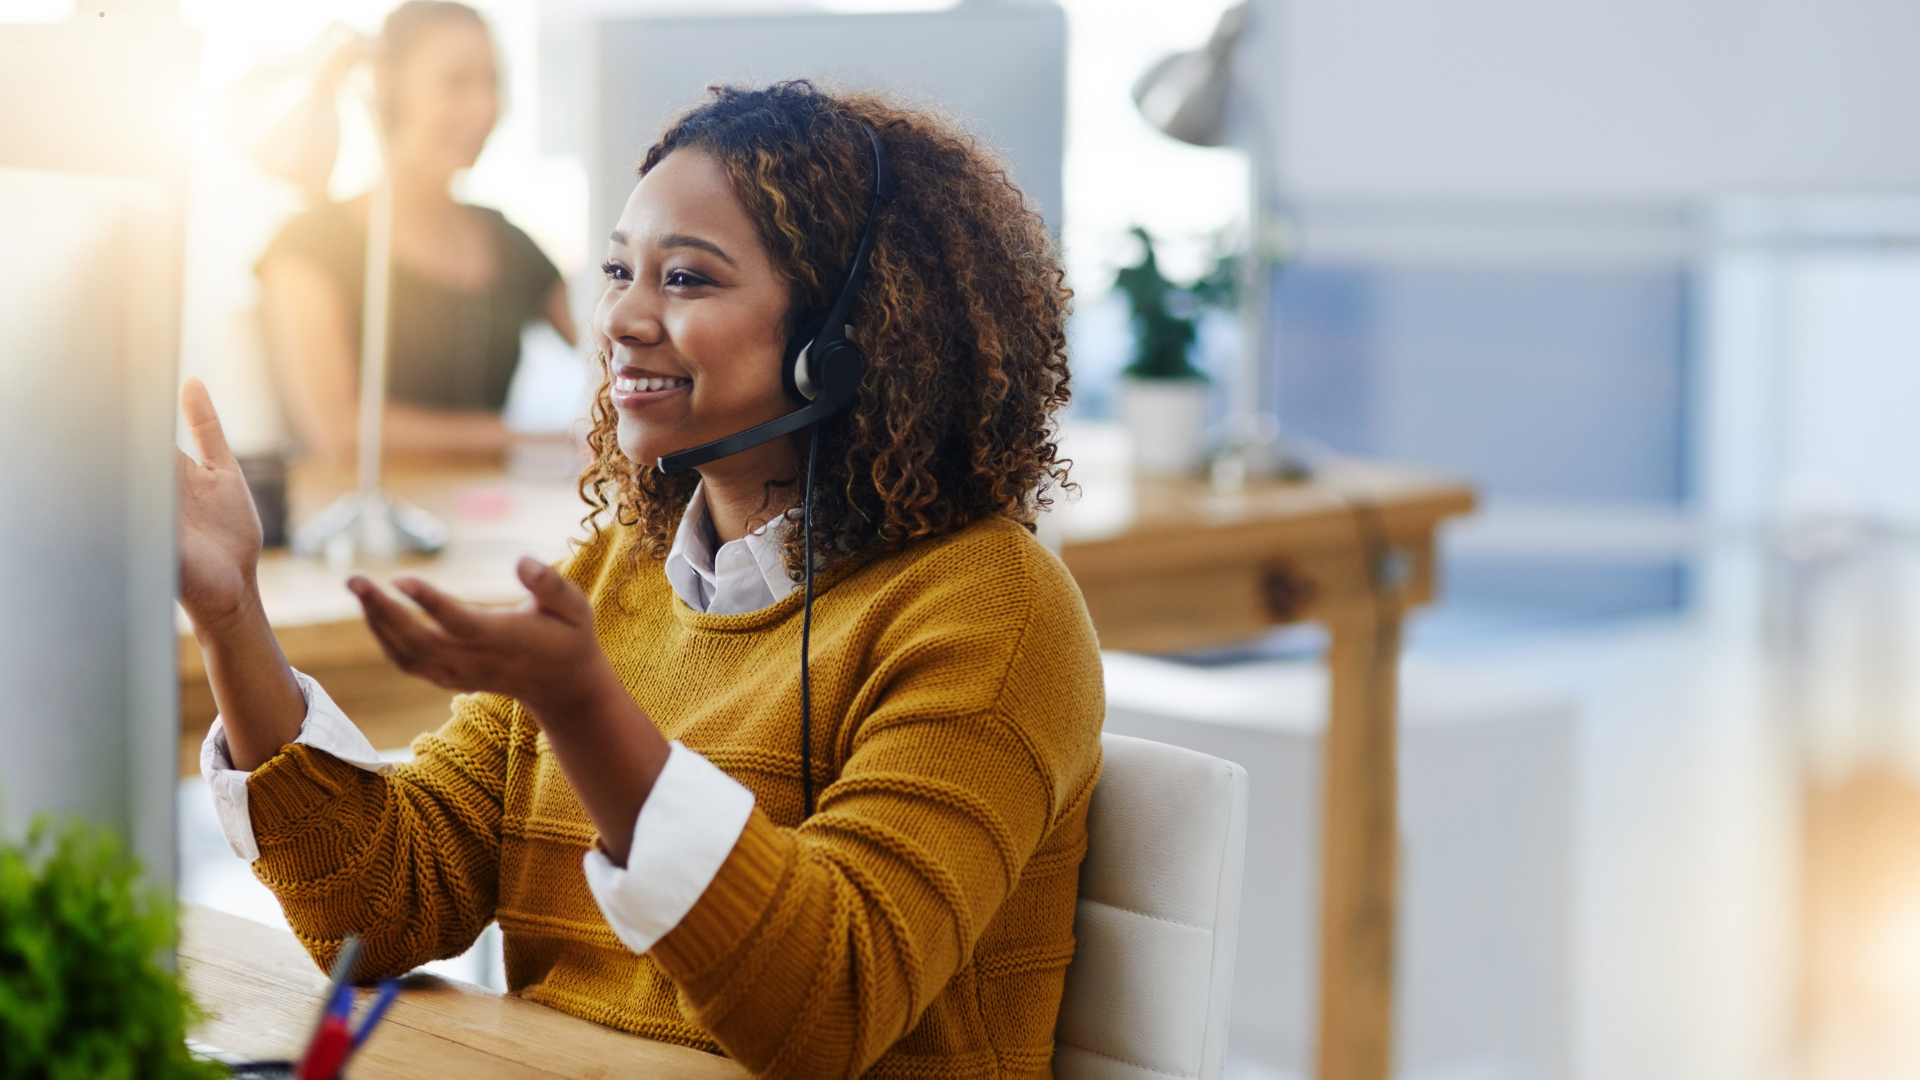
<point>628,384</point>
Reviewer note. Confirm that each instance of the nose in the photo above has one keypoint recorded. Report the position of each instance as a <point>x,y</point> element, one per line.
<point>628,317</point>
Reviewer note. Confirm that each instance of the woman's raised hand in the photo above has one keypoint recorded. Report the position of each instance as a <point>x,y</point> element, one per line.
<point>543,652</point>
<point>219,530</point>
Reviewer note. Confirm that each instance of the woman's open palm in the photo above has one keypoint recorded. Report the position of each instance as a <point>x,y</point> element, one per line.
<point>218,527</point>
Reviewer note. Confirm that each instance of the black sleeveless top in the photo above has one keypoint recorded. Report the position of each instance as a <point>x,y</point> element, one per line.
<point>446,348</point>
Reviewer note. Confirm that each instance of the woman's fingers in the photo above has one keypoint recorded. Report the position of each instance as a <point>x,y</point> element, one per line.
<point>454,616</point>
<point>408,639</point>
<point>203,425</point>
<point>462,647</point>
<point>431,668</point>
<point>553,593</point>
<point>377,621</point>
<point>423,651</point>
<point>394,654</point>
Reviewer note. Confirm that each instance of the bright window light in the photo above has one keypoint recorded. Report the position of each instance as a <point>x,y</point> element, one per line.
<point>869,6</point>
<point>36,11</point>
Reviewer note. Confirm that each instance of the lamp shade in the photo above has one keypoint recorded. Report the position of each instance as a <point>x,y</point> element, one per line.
<point>1186,94</point>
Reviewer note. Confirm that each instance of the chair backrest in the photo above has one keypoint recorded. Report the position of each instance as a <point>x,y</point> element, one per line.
<point>1148,989</point>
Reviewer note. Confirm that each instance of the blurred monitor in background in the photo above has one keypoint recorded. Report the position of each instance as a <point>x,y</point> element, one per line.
<point>465,281</point>
<point>999,67</point>
<point>95,114</point>
<point>89,689</point>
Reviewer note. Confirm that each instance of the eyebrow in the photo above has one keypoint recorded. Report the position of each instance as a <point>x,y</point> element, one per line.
<point>678,240</point>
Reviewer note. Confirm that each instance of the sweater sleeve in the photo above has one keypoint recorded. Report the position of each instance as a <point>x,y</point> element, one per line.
<point>325,727</point>
<point>408,860</point>
<point>815,949</point>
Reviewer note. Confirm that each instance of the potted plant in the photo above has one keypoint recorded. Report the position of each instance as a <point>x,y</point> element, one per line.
<point>85,990</point>
<point>1163,396</point>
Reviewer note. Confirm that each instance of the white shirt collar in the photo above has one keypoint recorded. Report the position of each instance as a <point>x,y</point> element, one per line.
<point>740,576</point>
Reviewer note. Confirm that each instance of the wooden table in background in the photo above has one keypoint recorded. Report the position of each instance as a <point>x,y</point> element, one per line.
<point>1192,567</point>
<point>262,993</point>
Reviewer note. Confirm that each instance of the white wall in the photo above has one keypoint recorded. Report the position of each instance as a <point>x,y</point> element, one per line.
<point>1811,360</point>
<point>1588,99</point>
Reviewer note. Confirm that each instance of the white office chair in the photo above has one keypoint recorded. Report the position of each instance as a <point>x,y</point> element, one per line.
<point>1148,989</point>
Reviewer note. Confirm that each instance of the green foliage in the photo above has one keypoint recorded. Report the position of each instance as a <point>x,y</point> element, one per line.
<point>1221,287</point>
<point>82,994</point>
<point>1164,323</point>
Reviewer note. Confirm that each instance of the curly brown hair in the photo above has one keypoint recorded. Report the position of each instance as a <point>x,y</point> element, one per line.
<point>961,318</point>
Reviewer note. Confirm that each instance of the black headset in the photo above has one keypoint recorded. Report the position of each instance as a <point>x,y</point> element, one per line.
<point>821,371</point>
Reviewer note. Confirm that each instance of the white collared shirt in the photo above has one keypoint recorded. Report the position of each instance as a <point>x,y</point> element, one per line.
<point>743,575</point>
<point>691,819</point>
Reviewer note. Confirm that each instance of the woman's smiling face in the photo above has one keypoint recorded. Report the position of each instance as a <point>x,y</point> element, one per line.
<point>694,314</point>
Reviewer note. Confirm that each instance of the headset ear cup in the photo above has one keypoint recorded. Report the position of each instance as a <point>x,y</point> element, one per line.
<point>837,371</point>
<point>797,353</point>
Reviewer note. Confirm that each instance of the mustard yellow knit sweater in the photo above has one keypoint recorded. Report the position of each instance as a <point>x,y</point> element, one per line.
<point>919,924</point>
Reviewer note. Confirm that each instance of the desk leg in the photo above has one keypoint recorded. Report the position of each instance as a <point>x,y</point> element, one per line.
<point>1359,834</point>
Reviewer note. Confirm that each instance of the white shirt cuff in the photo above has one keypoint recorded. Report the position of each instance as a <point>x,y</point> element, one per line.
<point>325,728</point>
<point>686,830</point>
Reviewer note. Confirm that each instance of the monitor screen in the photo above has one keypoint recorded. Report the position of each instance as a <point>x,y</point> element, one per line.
<point>89,683</point>
<point>999,68</point>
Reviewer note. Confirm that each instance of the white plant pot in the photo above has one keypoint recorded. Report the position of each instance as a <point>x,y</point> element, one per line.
<point>1168,419</point>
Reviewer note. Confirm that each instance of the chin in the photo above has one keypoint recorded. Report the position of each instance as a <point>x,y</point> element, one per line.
<point>645,446</point>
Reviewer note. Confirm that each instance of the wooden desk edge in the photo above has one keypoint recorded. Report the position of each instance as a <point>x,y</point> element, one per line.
<point>1321,528</point>
<point>524,1036</point>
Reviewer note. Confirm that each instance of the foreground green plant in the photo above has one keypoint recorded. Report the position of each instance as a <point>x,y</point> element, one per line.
<point>82,990</point>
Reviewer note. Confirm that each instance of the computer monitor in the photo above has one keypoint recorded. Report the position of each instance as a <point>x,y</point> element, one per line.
<point>1000,67</point>
<point>95,130</point>
<point>89,683</point>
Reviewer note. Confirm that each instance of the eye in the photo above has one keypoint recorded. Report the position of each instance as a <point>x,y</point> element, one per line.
<point>684,279</point>
<point>615,272</point>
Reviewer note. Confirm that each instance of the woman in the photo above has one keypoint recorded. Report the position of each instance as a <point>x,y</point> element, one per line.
<point>621,785</point>
<point>464,280</point>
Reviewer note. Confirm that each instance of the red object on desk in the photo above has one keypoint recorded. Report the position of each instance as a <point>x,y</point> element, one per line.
<point>329,1050</point>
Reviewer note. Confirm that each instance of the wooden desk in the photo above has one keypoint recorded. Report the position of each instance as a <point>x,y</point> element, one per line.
<point>263,993</point>
<point>1353,549</point>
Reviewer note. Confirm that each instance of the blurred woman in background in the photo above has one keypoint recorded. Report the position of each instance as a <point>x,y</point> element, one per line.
<point>464,281</point>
